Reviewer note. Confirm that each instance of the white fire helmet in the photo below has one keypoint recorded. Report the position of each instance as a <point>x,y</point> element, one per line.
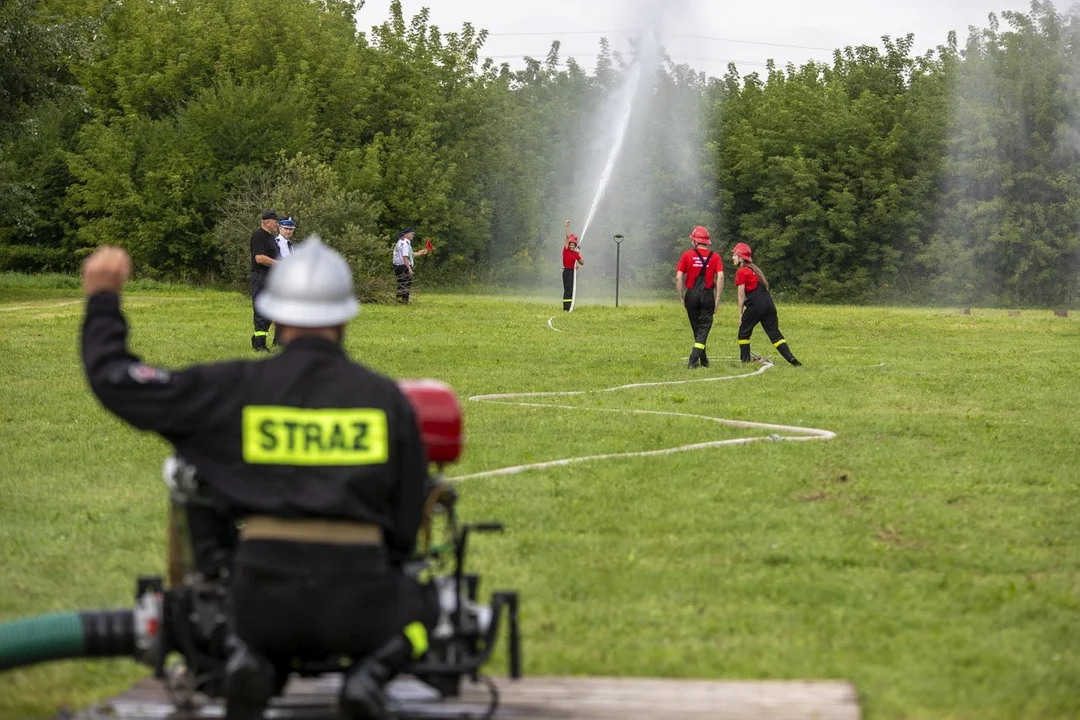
<point>312,287</point>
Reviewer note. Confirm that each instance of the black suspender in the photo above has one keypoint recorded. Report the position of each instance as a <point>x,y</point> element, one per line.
<point>704,263</point>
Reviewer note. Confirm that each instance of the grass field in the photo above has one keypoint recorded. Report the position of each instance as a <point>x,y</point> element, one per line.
<point>929,553</point>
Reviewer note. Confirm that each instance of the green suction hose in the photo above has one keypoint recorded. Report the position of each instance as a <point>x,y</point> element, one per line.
<point>66,636</point>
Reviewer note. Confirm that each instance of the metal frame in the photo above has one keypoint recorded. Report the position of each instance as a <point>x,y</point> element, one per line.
<point>192,621</point>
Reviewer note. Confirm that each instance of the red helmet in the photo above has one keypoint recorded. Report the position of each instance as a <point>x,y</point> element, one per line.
<point>700,235</point>
<point>743,251</point>
<point>572,239</point>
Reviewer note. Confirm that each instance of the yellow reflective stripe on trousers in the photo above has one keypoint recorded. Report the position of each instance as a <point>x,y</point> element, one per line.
<point>261,333</point>
<point>779,342</point>
<point>744,342</point>
<point>418,638</point>
<point>699,346</point>
<point>274,435</point>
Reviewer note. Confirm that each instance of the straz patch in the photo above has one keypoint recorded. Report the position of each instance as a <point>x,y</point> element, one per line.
<point>143,374</point>
<point>275,435</point>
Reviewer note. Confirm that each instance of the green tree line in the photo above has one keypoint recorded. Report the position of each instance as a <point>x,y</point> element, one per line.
<point>947,177</point>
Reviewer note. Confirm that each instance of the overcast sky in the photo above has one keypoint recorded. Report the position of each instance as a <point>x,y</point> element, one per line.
<point>705,34</point>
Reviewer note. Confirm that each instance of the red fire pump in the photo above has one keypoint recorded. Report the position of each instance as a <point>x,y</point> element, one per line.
<point>439,415</point>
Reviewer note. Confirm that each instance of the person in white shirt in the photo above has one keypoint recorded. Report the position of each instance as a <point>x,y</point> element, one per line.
<point>284,238</point>
<point>285,248</point>
<point>403,260</point>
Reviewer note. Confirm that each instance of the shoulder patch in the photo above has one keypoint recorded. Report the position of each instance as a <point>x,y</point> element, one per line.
<point>143,374</point>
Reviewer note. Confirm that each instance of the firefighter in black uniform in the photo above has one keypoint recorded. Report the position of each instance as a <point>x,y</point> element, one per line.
<point>700,282</point>
<point>756,305</point>
<point>264,253</point>
<point>321,458</point>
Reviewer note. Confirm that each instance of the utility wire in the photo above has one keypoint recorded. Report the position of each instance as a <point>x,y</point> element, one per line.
<point>673,57</point>
<point>682,35</point>
<point>631,32</point>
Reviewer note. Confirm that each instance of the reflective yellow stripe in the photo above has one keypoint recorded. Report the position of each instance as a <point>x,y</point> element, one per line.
<point>779,342</point>
<point>418,638</point>
<point>298,436</point>
<point>261,333</point>
<point>744,342</point>
<point>699,346</point>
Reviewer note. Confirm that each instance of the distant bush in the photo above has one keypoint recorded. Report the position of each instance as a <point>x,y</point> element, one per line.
<point>33,259</point>
<point>10,280</point>
<point>308,191</point>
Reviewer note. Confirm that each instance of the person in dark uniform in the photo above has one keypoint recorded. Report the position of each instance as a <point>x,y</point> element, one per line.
<point>571,258</point>
<point>756,305</point>
<point>322,460</point>
<point>264,253</point>
<point>700,281</point>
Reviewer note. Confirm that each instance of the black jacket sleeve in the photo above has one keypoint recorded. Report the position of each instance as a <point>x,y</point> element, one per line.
<point>412,484</point>
<point>170,403</point>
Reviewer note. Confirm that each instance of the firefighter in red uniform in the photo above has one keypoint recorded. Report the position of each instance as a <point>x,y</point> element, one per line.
<point>699,279</point>
<point>571,257</point>
<point>756,305</point>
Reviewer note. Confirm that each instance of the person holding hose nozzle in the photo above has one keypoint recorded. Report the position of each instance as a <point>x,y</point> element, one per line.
<point>700,282</point>
<point>756,305</point>
<point>571,258</point>
<point>329,520</point>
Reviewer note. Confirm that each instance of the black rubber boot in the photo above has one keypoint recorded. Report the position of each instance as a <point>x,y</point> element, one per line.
<point>250,683</point>
<point>695,359</point>
<point>786,352</point>
<point>704,359</point>
<point>362,695</point>
<point>259,343</point>
<point>744,352</point>
<point>363,698</point>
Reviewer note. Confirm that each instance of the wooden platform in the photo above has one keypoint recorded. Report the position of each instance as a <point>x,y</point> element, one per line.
<point>540,698</point>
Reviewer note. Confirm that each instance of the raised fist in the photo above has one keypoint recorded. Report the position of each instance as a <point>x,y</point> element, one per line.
<point>107,269</point>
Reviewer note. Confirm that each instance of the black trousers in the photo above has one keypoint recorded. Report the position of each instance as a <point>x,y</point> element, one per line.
<point>404,283</point>
<point>760,309</point>
<point>700,305</point>
<point>312,601</point>
<point>261,323</point>
<point>567,288</point>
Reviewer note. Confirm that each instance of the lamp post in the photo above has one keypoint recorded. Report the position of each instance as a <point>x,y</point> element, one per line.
<point>618,246</point>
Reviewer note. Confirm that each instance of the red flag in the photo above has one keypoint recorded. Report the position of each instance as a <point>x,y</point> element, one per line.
<point>428,246</point>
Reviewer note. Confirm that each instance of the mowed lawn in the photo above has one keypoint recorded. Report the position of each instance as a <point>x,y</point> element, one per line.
<point>929,553</point>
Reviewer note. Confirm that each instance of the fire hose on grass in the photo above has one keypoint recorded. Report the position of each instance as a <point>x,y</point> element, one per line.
<point>573,292</point>
<point>790,433</point>
<point>188,622</point>
<point>67,636</point>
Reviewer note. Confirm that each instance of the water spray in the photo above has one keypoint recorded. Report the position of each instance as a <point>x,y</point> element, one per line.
<point>629,92</point>
<point>625,104</point>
